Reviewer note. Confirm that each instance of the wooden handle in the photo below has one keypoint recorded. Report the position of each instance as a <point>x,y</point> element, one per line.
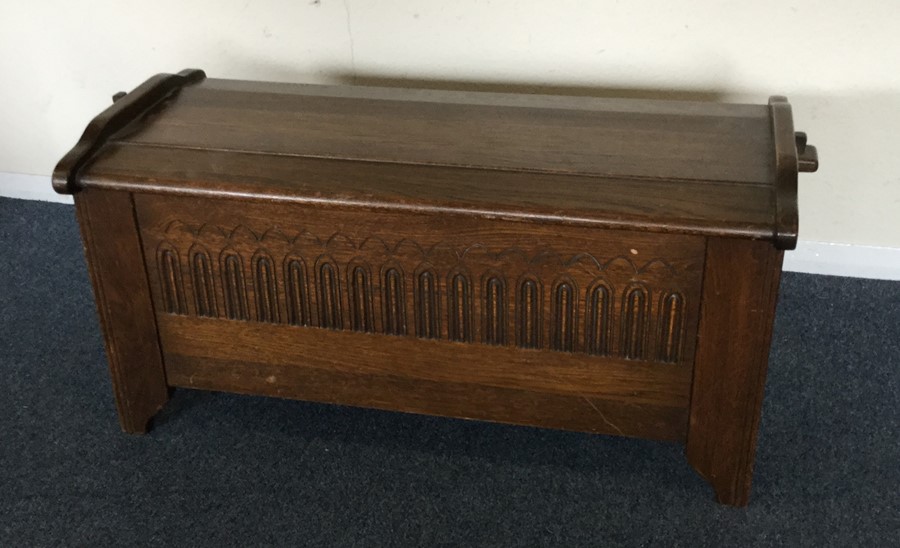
<point>807,156</point>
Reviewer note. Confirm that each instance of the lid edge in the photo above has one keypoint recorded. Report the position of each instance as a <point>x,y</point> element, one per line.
<point>125,109</point>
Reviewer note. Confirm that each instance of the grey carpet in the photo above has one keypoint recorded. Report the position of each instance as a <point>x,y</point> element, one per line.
<point>222,469</point>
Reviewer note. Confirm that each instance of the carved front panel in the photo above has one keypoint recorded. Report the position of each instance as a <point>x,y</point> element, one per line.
<point>610,294</point>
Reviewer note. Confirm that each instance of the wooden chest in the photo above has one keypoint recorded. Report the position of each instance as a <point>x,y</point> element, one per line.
<point>599,265</point>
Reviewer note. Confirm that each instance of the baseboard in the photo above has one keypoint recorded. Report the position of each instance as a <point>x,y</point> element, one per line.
<point>30,187</point>
<point>856,261</point>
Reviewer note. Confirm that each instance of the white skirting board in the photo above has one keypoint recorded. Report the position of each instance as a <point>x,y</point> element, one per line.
<point>857,261</point>
<point>30,187</point>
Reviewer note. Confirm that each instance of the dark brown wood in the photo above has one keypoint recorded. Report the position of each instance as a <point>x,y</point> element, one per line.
<point>740,291</point>
<point>571,391</point>
<point>116,264</point>
<point>785,169</point>
<point>631,138</point>
<point>807,156</point>
<point>719,164</point>
<point>598,265</point>
<point>687,207</point>
<point>552,258</point>
<point>631,301</point>
<point>125,109</point>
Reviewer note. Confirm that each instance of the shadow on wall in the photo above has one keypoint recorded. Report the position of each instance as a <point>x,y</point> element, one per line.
<point>258,69</point>
<point>363,79</point>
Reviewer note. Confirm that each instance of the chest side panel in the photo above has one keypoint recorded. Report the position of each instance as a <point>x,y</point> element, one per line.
<point>589,322</point>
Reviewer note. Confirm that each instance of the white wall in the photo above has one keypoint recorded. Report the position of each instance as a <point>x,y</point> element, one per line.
<point>837,61</point>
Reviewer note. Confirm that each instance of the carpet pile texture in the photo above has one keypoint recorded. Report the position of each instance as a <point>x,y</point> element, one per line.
<point>228,470</point>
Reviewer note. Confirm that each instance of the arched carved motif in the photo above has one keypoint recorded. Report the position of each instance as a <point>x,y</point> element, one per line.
<point>393,299</point>
<point>427,305</point>
<point>202,282</point>
<point>671,323</point>
<point>635,315</point>
<point>459,307</point>
<point>564,306</point>
<point>529,317</point>
<point>598,320</point>
<point>328,285</point>
<point>494,310</point>
<point>359,288</point>
<point>233,285</point>
<point>296,286</point>
<point>265,288</point>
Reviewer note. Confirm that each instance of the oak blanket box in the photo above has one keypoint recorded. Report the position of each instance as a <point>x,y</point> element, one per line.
<point>600,265</point>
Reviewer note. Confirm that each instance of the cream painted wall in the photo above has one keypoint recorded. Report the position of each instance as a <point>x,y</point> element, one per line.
<point>838,62</point>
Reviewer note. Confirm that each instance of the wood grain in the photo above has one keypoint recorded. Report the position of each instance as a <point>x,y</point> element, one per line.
<point>689,144</point>
<point>785,171</point>
<point>427,360</point>
<point>112,121</point>
<point>657,166</point>
<point>598,265</point>
<point>739,296</point>
<point>691,207</point>
<point>116,265</point>
<point>337,250</point>
<point>431,377</point>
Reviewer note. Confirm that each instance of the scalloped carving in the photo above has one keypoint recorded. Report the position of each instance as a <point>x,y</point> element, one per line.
<point>406,246</point>
<point>527,298</point>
